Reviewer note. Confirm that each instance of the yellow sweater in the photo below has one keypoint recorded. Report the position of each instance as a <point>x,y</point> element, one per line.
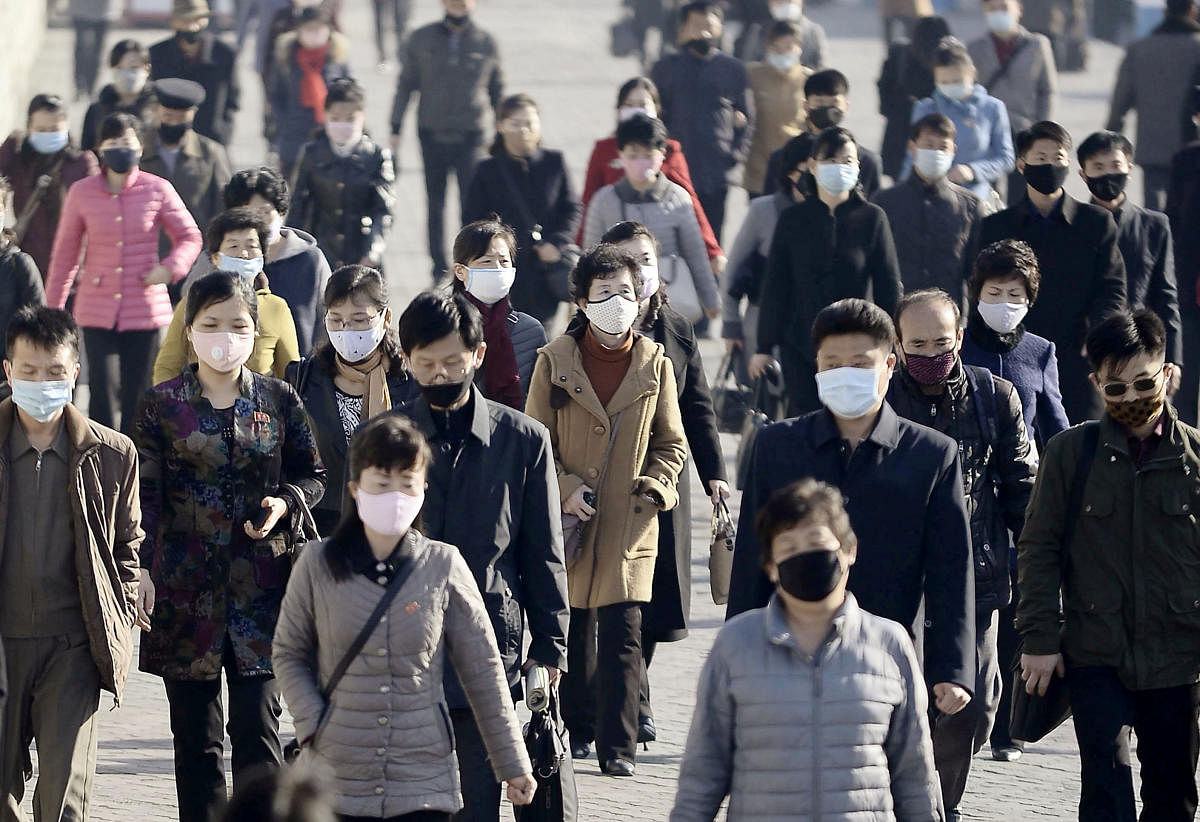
<point>275,343</point>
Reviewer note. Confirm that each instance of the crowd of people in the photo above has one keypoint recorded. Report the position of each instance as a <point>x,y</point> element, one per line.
<point>981,455</point>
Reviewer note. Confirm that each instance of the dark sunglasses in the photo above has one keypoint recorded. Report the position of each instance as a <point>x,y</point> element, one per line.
<point>1141,384</point>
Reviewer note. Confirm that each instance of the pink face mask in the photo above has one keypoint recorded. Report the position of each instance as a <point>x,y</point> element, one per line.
<point>391,513</point>
<point>341,132</point>
<point>643,168</point>
<point>221,351</point>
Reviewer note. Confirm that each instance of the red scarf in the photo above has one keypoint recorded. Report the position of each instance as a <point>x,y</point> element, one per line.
<point>312,79</point>
<point>501,382</point>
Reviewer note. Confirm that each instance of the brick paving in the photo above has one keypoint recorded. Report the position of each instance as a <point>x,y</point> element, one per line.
<point>556,51</point>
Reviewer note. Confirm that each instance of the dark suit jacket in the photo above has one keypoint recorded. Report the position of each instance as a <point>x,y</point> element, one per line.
<point>1144,238</point>
<point>201,173</point>
<point>215,69</point>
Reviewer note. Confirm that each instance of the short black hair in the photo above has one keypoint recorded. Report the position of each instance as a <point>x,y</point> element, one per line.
<point>51,103</point>
<point>950,52</point>
<point>1123,335</point>
<point>234,219</point>
<point>927,33</point>
<point>1179,8</point>
<point>645,83</point>
<point>926,295</point>
<point>297,793</point>
<point>1043,130</point>
<point>264,181</point>
<point>218,287</point>
<point>127,46</point>
<point>783,28</point>
<point>826,83</point>
<point>939,124</point>
<point>854,316</point>
<point>43,327</point>
<point>1101,141</point>
<point>1006,261</point>
<point>626,230</point>
<point>831,141</point>
<point>603,262</point>
<point>433,315</point>
<point>473,240</point>
<point>793,504</point>
<point>793,155</point>
<point>345,90</point>
<point>643,130</point>
<point>701,7</point>
<point>358,282</point>
<point>114,126</point>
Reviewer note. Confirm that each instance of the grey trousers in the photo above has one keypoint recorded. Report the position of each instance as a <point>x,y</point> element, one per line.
<point>53,697</point>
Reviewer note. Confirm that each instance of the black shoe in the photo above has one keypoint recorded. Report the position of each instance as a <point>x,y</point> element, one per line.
<point>580,750</point>
<point>646,731</point>
<point>618,767</point>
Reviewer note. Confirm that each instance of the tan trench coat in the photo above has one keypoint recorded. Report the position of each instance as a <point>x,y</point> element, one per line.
<point>616,563</point>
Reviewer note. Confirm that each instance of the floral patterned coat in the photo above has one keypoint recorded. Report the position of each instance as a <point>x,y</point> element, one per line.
<point>210,579</point>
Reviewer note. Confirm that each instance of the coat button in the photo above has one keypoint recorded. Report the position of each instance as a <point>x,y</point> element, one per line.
<point>118,218</point>
<point>599,429</point>
<point>1087,508</point>
<point>562,379</point>
<point>381,652</point>
<point>381,751</point>
<point>117,296</point>
<point>120,243</point>
<point>95,281</point>
<point>637,509</point>
<point>1185,506</point>
<point>383,689</point>
<point>578,390</point>
<point>119,269</point>
<point>383,720</point>
<point>593,473</point>
<point>381,581</point>
<point>378,790</point>
<point>929,623</point>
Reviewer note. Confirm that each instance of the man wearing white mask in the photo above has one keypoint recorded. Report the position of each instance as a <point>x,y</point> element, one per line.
<point>938,220</point>
<point>813,42</point>
<point>903,490</point>
<point>68,567</point>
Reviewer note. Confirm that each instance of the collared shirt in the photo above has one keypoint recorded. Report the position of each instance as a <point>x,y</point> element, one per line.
<point>362,561</point>
<point>1141,450</point>
<point>39,591</point>
<point>1042,224</point>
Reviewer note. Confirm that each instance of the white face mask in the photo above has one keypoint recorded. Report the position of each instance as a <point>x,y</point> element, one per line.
<point>246,268</point>
<point>650,281</point>
<point>614,315</point>
<point>783,62</point>
<point>837,178</point>
<point>1003,318</point>
<point>787,11</point>
<point>356,346</point>
<point>999,21</point>
<point>274,228</point>
<point>956,91</point>
<point>626,112</point>
<point>933,164</point>
<point>490,285</point>
<point>850,393</point>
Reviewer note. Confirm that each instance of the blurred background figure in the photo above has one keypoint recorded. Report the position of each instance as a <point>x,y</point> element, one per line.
<point>91,19</point>
<point>129,92</point>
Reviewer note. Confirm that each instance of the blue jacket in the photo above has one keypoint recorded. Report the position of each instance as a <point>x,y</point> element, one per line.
<point>984,139</point>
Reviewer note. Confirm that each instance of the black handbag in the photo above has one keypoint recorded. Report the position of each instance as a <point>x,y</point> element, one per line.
<point>549,746</point>
<point>759,417</point>
<point>295,529</point>
<point>731,401</point>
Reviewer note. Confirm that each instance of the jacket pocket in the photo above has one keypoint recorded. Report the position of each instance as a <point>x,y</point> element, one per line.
<point>1185,612</point>
<point>444,713</point>
<point>1094,632</point>
<point>643,529</point>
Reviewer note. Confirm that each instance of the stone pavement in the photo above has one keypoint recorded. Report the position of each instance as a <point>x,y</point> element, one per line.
<point>556,51</point>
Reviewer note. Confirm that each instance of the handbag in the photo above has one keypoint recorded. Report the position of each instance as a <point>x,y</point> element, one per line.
<point>755,420</point>
<point>291,751</point>
<point>731,400</point>
<point>549,747</point>
<point>294,530</point>
<point>1034,716</point>
<point>572,526</point>
<point>680,287</point>
<point>720,553</point>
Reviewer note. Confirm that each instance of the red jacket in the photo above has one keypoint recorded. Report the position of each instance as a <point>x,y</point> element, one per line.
<point>122,246</point>
<point>604,168</point>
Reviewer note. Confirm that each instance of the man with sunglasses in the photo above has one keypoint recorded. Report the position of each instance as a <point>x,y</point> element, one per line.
<point>1129,579</point>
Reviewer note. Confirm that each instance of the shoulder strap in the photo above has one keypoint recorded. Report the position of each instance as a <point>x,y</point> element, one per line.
<point>985,404</point>
<point>1000,73</point>
<point>1083,467</point>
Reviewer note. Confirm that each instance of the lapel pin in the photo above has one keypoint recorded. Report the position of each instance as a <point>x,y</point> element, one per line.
<point>261,416</point>
<point>411,608</point>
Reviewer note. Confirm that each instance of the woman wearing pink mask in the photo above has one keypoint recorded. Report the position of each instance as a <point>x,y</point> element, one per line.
<point>383,729</point>
<point>222,452</point>
<point>645,195</point>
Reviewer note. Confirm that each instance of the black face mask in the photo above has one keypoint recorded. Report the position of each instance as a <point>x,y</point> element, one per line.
<point>811,576</point>
<point>1107,187</point>
<point>1046,178</point>
<point>700,46</point>
<point>189,37</point>
<point>171,135</point>
<point>446,394</point>
<point>120,160</point>
<point>456,21</point>
<point>826,116</point>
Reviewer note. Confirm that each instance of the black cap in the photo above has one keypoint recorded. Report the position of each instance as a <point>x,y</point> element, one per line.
<point>177,93</point>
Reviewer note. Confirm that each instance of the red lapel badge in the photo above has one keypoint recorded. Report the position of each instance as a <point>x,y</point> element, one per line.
<point>411,608</point>
<point>261,416</point>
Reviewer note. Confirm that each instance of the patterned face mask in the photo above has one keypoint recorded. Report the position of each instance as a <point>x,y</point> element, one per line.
<point>1136,413</point>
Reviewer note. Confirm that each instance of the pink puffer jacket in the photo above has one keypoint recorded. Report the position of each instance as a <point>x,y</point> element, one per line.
<point>121,232</point>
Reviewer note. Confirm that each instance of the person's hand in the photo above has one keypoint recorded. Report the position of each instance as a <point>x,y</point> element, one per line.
<point>950,698</point>
<point>1176,379</point>
<point>718,265</point>
<point>159,275</point>
<point>713,313</point>
<point>719,489</point>
<point>575,505</point>
<point>548,253</point>
<point>961,174</point>
<point>758,364</point>
<point>732,344</point>
<point>521,789</point>
<point>277,509</point>
<point>145,600</point>
<point>394,144</point>
<point>1036,670</point>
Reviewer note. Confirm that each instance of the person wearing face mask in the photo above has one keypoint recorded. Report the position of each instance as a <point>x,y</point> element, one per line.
<point>939,220</point>
<point>1129,648</point>
<point>486,269</point>
<point>342,188</point>
<point>906,76</point>
<point>778,86</point>
<point>217,445</point>
<point>492,492</point>
<point>811,35</point>
<point>41,164</point>
<point>196,53</point>
<point>982,413</point>
<point>609,398</point>
<point>890,470</point>
<point>129,92</point>
<point>235,241</point>
<point>983,154</point>
<point>1183,210</point>
<point>196,166</point>
<point>640,96</point>
<point>646,195</point>
<point>68,571</point>
<point>20,282</point>
<point>828,247</point>
<point>755,703</point>
<point>707,105</point>
<point>391,748</point>
<point>528,188</point>
<point>108,239</point>
<point>1083,275</point>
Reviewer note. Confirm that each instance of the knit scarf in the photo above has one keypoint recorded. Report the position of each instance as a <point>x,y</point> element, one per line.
<point>369,376</point>
<point>501,382</point>
<point>312,79</point>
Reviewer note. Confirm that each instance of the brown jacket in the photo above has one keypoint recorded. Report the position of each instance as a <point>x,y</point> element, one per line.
<point>779,115</point>
<point>620,544</point>
<point>108,533</point>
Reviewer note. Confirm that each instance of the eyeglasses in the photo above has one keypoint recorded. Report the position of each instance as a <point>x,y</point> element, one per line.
<point>1141,384</point>
<point>355,324</point>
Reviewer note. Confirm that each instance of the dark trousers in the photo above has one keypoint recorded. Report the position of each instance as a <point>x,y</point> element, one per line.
<point>89,47</point>
<point>441,154</point>
<point>644,710</point>
<point>1168,742</point>
<point>957,738</point>
<point>600,689</point>
<point>1155,182</point>
<point>118,357</point>
<point>415,816</point>
<point>712,200</point>
<point>196,717</point>
<point>400,10</point>
<point>480,790</point>
<point>1008,643</point>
